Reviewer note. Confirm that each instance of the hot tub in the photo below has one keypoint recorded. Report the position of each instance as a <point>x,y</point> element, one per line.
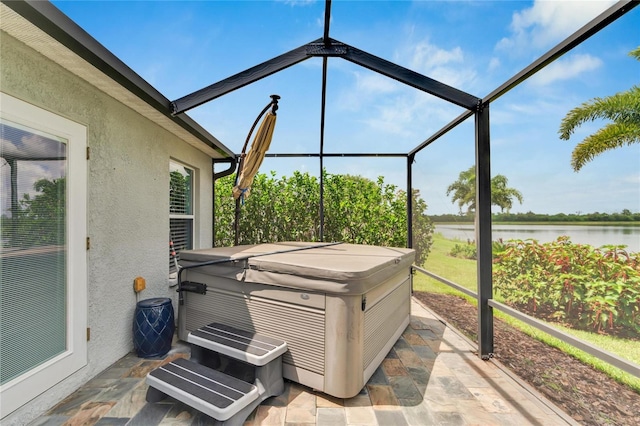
<point>340,308</point>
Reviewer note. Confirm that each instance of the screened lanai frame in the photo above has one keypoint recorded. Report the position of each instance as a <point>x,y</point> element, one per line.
<point>46,17</point>
<point>326,47</point>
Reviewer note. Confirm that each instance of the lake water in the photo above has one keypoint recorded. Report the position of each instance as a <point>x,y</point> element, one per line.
<point>593,235</point>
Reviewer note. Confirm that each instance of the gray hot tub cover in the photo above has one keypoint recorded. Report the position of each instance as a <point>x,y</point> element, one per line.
<point>341,269</point>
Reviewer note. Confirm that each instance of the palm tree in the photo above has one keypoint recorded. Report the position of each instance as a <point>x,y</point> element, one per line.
<point>501,195</point>
<point>623,109</point>
<point>464,191</point>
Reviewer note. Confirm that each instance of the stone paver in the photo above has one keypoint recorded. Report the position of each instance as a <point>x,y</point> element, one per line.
<point>431,376</point>
<point>331,416</point>
<point>360,415</point>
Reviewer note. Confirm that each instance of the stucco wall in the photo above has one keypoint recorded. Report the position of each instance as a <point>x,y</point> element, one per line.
<point>128,205</point>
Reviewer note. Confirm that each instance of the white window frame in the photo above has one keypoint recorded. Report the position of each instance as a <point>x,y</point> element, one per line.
<point>38,380</point>
<point>191,216</point>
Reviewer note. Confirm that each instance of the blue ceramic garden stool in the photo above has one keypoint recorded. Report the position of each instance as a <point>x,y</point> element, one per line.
<point>153,327</point>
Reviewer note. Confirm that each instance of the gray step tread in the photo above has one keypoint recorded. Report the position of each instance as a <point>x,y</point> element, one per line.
<point>251,347</point>
<point>207,390</point>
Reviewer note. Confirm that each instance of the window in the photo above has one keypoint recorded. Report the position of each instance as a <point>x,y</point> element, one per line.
<point>43,174</point>
<point>181,216</point>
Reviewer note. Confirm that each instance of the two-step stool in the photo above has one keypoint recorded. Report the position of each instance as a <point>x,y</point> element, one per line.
<point>207,382</point>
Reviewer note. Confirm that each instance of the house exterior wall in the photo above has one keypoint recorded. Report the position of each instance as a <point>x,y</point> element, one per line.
<point>128,204</point>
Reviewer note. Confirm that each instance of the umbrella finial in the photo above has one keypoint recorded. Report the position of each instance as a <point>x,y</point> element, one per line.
<point>274,103</point>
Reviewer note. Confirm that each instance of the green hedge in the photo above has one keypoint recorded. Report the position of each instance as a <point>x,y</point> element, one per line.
<point>357,210</point>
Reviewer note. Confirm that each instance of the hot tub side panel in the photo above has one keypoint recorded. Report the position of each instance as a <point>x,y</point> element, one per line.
<point>384,322</point>
<point>343,350</point>
<point>361,330</point>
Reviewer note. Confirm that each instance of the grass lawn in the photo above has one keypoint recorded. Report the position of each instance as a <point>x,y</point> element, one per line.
<point>460,271</point>
<point>463,272</point>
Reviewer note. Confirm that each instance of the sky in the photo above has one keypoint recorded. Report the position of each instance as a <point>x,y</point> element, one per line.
<point>475,46</point>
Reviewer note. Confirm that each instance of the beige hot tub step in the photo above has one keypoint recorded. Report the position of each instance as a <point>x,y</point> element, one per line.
<point>239,344</point>
<point>216,394</point>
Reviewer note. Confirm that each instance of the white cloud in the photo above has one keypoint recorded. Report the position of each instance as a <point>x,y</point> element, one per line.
<point>8,148</point>
<point>548,22</point>
<point>395,117</point>
<point>31,145</point>
<point>424,56</point>
<point>494,63</point>
<point>633,179</point>
<point>294,3</point>
<point>565,69</point>
<point>396,109</point>
<point>368,87</point>
<point>375,83</point>
<point>445,66</point>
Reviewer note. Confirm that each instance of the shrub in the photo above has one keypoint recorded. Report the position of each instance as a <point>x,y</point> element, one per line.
<point>470,250</point>
<point>585,287</point>
<point>465,251</point>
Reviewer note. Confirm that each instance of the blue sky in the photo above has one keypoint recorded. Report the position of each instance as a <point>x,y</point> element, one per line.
<point>180,47</point>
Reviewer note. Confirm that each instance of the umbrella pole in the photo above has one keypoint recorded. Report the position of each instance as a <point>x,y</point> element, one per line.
<point>236,223</point>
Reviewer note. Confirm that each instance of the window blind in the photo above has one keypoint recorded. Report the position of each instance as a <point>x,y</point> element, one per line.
<point>180,211</point>
<point>33,249</point>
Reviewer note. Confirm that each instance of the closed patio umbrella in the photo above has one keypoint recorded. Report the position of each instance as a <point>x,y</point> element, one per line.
<point>251,161</point>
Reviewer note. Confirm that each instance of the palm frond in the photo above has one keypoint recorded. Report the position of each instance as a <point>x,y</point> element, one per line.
<point>623,107</point>
<point>611,136</point>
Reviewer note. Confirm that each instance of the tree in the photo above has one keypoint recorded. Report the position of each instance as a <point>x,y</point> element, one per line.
<point>501,195</point>
<point>464,191</point>
<point>179,197</point>
<point>39,220</point>
<point>623,109</point>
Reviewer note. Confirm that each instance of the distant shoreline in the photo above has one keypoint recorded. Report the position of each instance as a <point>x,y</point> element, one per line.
<point>555,222</point>
<point>592,233</point>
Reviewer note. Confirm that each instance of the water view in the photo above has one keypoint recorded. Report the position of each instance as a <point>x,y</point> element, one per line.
<point>583,234</point>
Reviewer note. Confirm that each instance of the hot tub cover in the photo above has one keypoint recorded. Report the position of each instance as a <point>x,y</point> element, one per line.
<point>342,268</point>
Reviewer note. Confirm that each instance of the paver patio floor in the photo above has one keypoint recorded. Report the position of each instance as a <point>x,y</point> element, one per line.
<point>430,377</point>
